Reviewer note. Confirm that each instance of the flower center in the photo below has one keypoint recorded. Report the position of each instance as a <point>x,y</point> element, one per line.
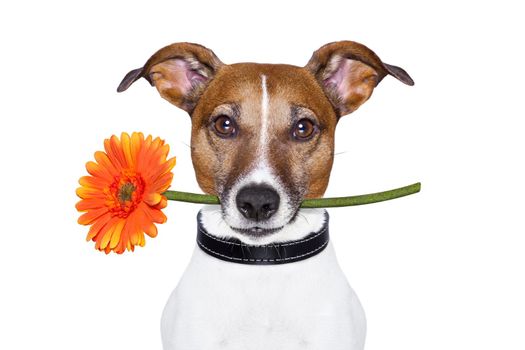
<point>125,193</point>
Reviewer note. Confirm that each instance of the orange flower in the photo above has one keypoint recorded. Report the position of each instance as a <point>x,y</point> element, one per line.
<point>123,198</point>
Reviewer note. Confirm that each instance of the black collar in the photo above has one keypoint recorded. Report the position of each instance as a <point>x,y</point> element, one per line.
<point>233,250</point>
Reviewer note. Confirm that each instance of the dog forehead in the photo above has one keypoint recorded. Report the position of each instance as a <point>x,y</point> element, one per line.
<point>242,84</point>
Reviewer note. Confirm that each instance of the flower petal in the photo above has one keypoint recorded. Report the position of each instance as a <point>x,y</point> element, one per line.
<point>145,223</point>
<point>142,241</point>
<point>105,231</point>
<point>124,236</point>
<point>154,215</point>
<point>134,229</point>
<point>142,155</point>
<point>98,226</point>
<point>137,140</point>
<point>88,192</point>
<point>152,198</point>
<point>126,149</point>
<point>98,171</point>
<point>157,156</point>
<point>135,239</point>
<point>116,226</point>
<point>92,215</point>
<point>104,161</point>
<point>93,182</point>
<point>115,237</point>
<point>90,203</point>
<point>114,151</point>
<point>162,204</point>
<point>150,229</point>
<point>162,183</point>
<point>160,170</point>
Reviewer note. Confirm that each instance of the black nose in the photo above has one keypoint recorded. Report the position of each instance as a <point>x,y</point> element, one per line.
<point>257,202</point>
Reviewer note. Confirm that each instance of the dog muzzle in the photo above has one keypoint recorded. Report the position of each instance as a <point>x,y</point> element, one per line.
<point>235,251</point>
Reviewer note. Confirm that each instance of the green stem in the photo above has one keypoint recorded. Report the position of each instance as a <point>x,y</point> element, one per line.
<point>309,203</point>
<point>191,197</point>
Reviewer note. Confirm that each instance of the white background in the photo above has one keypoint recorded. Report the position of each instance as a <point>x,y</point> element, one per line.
<point>444,269</point>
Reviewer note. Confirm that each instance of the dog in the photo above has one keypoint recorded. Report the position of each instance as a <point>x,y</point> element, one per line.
<point>264,274</point>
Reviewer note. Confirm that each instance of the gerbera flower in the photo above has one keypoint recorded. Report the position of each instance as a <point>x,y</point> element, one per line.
<point>123,197</point>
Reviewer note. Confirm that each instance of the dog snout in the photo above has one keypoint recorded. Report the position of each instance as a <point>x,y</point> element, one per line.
<point>257,202</point>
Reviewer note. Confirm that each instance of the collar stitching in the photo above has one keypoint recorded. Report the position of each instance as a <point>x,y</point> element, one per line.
<point>271,245</point>
<point>263,260</point>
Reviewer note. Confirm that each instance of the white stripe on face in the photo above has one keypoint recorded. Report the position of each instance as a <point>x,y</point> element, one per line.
<point>265,101</point>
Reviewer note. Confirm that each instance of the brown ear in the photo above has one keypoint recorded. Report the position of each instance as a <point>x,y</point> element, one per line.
<point>180,72</point>
<point>349,72</point>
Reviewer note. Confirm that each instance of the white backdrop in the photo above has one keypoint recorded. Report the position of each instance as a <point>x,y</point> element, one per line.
<point>444,269</point>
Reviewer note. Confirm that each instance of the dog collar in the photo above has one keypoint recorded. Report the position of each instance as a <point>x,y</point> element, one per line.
<point>233,250</point>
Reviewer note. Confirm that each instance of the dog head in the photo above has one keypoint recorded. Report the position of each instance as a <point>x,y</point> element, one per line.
<point>263,134</point>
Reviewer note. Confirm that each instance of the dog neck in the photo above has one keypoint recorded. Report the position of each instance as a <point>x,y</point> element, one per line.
<point>305,222</point>
<point>234,250</point>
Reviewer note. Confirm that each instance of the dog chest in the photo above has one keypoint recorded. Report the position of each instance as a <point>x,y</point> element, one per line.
<point>306,304</point>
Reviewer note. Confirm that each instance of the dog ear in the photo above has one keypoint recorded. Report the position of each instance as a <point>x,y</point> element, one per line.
<point>348,73</point>
<point>180,72</point>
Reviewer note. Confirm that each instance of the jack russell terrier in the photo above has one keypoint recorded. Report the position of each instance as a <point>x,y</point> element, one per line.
<point>264,274</point>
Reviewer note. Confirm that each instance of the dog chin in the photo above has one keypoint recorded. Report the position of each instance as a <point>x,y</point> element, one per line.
<point>302,223</point>
<point>261,229</point>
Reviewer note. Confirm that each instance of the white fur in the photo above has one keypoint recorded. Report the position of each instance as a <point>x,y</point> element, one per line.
<point>307,221</point>
<point>265,103</point>
<point>302,305</point>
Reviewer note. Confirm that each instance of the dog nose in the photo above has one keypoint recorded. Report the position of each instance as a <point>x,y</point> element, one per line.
<point>257,202</point>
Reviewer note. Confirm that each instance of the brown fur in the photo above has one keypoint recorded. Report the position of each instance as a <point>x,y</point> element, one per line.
<point>219,162</point>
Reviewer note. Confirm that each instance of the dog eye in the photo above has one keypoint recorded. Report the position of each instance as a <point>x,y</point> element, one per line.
<point>224,126</point>
<point>303,130</point>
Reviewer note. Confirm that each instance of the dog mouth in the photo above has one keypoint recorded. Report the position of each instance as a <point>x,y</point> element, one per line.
<point>257,231</point>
